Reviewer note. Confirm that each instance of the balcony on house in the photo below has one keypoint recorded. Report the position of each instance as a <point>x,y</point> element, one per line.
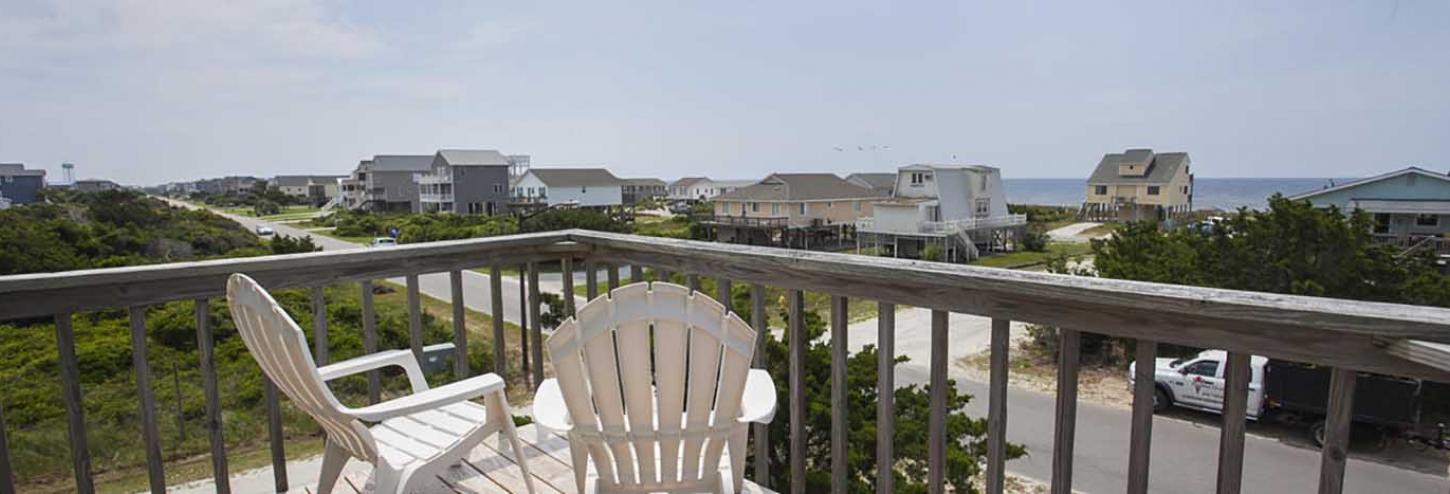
<point>1345,335</point>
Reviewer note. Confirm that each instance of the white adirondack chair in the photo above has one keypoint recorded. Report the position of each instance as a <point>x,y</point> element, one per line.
<point>661,427</point>
<point>415,437</point>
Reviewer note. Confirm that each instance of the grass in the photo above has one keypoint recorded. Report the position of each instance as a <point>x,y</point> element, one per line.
<point>327,232</point>
<point>1023,259</point>
<point>654,226</point>
<point>302,439</point>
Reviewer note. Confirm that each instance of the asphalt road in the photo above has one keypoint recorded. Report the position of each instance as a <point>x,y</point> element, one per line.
<point>1185,452</point>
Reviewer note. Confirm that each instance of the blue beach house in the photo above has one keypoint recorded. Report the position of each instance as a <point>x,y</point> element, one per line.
<point>1411,207</point>
<point>19,185</point>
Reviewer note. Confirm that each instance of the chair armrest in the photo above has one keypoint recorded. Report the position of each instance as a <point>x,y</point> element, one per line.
<point>757,402</point>
<point>400,358</point>
<point>550,412</point>
<point>429,399</point>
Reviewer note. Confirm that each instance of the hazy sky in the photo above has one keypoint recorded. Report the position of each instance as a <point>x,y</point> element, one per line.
<point>144,92</point>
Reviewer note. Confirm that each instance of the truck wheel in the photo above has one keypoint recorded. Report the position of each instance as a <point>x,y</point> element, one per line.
<point>1316,433</point>
<point>1161,400</point>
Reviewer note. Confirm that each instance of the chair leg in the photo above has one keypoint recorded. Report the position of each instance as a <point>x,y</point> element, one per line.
<point>737,458</point>
<point>580,460</point>
<point>498,406</point>
<point>333,459</point>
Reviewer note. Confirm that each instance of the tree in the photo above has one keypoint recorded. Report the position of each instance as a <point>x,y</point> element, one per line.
<point>566,218</point>
<point>966,437</point>
<point>1291,247</point>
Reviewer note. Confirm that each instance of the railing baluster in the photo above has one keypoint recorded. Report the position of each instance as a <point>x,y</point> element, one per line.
<point>997,406</point>
<point>70,385</point>
<point>591,280</point>
<point>1231,435</point>
<point>636,273</point>
<point>415,319</point>
<point>566,273</point>
<point>936,436</point>
<point>319,326</point>
<point>1069,347</point>
<point>885,398</point>
<point>460,325</point>
<point>663,275</point>
<point>1336,431</point>
<point>693,282</point>
<point>1140,441</point>
<point>274,435</point>
<point>840,466</point>
<point>202,311</point>
<point>370,339</point>
<point>613,276</point>
<point>526,316</point>
<point>149,435</point>
<point>722,293</point>
<point>7,476</point>
<point>797,392</point>
<point>762,431</point>
<point>495,289</point>
<point>538,329</point>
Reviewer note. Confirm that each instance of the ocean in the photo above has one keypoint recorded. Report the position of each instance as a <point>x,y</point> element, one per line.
<point>1227,194</point>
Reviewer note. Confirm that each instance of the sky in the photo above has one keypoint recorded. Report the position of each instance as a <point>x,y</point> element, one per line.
<point>144,92</point>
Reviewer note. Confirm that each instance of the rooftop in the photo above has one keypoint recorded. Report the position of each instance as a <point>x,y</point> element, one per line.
<point>799,187</point>
<point>402,163</point>
<point>473,157</point>
<point>1161,167</point>
<point>573,177</point>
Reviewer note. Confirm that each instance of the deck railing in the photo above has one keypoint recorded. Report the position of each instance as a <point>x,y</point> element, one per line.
<point>1346,335</point>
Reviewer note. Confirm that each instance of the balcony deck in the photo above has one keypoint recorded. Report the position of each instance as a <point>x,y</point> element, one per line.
<point>1346,336</point>
<point>490,468</point>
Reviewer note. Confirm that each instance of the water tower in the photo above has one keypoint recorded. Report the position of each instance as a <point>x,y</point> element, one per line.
<point>68,173</point>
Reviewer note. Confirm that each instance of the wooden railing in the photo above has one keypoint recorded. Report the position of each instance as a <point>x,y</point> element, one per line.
<point>1346,335</point>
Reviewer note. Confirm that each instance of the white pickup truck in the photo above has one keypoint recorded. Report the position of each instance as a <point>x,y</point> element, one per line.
<point>1197,382</point>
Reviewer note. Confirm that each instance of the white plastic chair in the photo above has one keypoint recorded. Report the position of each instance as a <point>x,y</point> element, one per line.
<point>661,427</point>
<point>415,437</point>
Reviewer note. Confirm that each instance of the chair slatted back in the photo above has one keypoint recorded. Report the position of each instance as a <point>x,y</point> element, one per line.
<point>280,349</point>
<point>652,375</point>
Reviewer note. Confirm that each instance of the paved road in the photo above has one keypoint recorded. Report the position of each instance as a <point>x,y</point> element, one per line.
<point>1185,453</point>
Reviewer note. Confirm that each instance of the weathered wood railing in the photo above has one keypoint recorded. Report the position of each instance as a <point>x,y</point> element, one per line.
<point>1346,335</point>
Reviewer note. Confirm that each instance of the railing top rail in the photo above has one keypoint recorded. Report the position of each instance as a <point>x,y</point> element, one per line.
<point>39,294</point>
<point>1339,332</point>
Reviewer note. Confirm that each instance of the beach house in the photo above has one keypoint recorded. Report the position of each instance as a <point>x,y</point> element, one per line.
<point>801,210</point>
<point>1410,206</point>
<point>942,212</point>
<point>1139,184</point>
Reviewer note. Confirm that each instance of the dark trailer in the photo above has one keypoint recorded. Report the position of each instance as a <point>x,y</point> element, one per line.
<point>1296,392</point>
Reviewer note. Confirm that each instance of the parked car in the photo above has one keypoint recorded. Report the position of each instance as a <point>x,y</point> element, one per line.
<point>383,242</point>
<point>264,230</point>
<point>1197,382</point>
<point>1291,393</point>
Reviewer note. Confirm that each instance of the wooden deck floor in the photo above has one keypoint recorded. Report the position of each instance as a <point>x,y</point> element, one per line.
<point>487,470</point>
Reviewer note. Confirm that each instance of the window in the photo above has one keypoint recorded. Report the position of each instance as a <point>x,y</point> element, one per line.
<point>475,208</point>
<point>498,188</point>
<point>1152,190</point>
<point>755,207</point>
<point>917,178</point>
<point>856,206</point>
<point>984,208</point>
<point>1206,368</point>
<point>1185,189</point>
<point>583,189</point>
<point>775,209</point>
<point>803,209</point>
<point>1427,220</point>
<point>1381,223</point>
<point>984,184</point>
<point>1101,190</point>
